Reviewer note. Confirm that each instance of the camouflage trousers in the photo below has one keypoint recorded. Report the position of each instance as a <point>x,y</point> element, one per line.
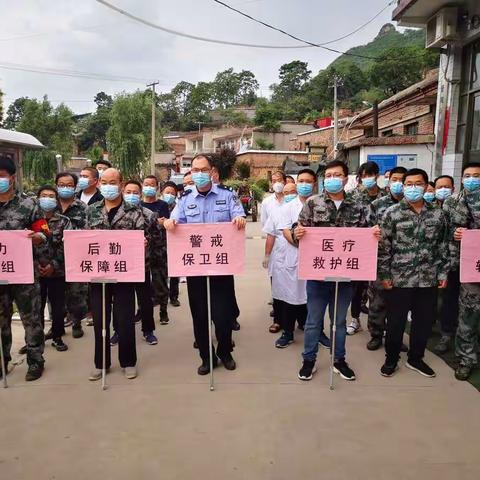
<point>160,289</point>
<point>377,309</point>
<point>76,301</point>
<point>468,331</point>
<point>27,300</point>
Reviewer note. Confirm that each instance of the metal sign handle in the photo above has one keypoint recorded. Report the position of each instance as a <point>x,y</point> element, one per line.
<point>210,341</point>
<point>104,337</point>
<point>2,359</point>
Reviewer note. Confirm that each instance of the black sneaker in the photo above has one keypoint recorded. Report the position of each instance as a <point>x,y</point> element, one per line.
<point>164,317</point>
<point>204,368</point>
<point>462,372</point>
<point>77,330</point>
<point>235,326</point>
<point>374,343</point>
<point>174,302</point>
<point>421,367</point>
<point>307,370</point>
<point>23,350</point>
<point>49,335</point>
<point>229,362</point>
<point>388,369</point>
<point>59,345</point>
<point>341,367</point>
<point>34,372</point>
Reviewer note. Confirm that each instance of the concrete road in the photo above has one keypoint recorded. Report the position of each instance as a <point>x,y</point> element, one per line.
<point>260,423</point>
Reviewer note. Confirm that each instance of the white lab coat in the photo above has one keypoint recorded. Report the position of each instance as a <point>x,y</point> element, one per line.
<point>269,205</point>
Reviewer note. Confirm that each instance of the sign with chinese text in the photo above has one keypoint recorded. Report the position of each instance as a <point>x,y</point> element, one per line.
<point>349,253</point>
<point>205,250</point>
<point>16,257</point>
<point>470,257</point>
<point>96,255</point>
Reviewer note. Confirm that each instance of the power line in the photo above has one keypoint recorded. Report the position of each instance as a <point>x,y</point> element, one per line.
<point>294,37</point>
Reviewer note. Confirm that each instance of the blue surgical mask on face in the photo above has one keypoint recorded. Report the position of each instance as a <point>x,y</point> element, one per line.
<point>132,198</point>
<point>149,191</point>
<point>443,193</point>
<point>4,185</point>
<point>333,185</point>
<point>169,198</point>
<point>369,182</point>
<point>304,189</point>
<point>429,196</point>
<point>201,179</point>
<point>110,192</point>
<point>471,184</point>
<point>413,193</point>
<point>66,192</point>
<point>396,188</point>
<point>288,198</point>
<point>47,204</point>
<point>82,183</point>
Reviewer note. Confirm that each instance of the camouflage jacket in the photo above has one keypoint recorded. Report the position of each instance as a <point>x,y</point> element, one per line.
<point>413,251</point>
<point>462,210</point>
<point>52,251</point>
<point>19,213</point>
<point>361,195</point>
<point>321,211</point>
<point>128,217</point>
<point>77,213</point>
<point>378,208</point>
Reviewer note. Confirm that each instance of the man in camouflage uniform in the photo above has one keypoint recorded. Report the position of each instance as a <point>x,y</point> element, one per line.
<point>76,294</point>
<point>412,264</point>
<point>113,213</point>
<point>333,208</point>
<point>464,213</point>
<point>17,213</point>
<point>50,262</point>
<point>366,192</point>
<point>377,303</point>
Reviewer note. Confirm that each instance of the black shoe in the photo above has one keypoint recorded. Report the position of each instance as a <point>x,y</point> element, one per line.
<point>164,317</point>
<point>272,313</point>
<point>23,350</point>
<point>34,372</point>
<point>462,372</point>
<point>341,367</point>
<point>404,348</point>
<point>229,362</point>
<point>374,343</point>
<point>236,326</point>
<point>174,302</point>
<point>195,344</point>
<point>307,370</point>
<point>49,335</point>
<point>421,367</point>
<point>77,331</point>
<point>204,368</point>
<point>388,369</point>
<point>138,316</point>
<point>59,345</point>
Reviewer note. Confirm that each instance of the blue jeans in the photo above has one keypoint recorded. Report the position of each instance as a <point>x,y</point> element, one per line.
<point>319,296</point>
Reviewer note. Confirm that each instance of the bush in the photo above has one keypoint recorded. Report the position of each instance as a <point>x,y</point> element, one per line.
<point>263,184</point>
<point>243,170</point>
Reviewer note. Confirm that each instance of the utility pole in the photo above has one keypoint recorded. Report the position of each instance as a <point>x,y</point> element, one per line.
<point>337,82</point>
<point>152,154</point>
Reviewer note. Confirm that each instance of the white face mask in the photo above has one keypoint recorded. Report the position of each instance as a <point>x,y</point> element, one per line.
<point>278,187</point>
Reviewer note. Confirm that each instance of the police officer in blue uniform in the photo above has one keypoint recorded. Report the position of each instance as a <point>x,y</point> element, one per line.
<point>208,202</point>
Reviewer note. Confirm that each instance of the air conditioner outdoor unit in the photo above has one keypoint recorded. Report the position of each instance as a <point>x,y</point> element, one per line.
<point>442,27</point>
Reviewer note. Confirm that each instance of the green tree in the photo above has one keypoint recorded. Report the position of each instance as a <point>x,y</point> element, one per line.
<point>293,76</point>
<point>223,161</point>
<point>263,144</point>
<point>15,112</point>
<point>231,89</point>
<point>268,115</point>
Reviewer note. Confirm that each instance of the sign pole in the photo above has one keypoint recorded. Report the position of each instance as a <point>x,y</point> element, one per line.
<point>2,359</point>
<point>210,341</point>
<point>104,338</point>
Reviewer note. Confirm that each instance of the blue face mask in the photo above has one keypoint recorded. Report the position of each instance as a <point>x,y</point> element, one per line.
<point>47,204</point>
<point>429,196</point>
<point>83,183</point>
<point>413,193</point>
<point>288,198</point>
<point>4,185</point>
<point>110,192</point>
<point>169,198</point>
<point>396,188</point>
<point>369,182</point>
<point>201,179</point>
<point>471,184</point>
<point>66,192</point>
<point>132,198</point>
<point>333,185</point>
<point>304,189</point>
<point>149,191</point>
<point>443,193</point>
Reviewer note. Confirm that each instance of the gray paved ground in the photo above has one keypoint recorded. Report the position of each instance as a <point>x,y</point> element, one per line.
<point>260,423</point>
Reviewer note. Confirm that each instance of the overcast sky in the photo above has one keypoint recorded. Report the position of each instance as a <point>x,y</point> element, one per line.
<point>88,37</point>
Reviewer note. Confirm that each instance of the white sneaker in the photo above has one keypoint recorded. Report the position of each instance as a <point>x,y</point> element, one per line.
<point>96,374</point>
<point>130,372</point>
<point>354,327</point>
